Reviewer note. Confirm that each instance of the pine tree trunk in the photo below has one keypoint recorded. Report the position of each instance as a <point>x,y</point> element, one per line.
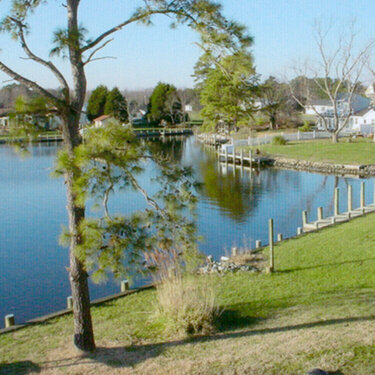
<point>83,328</point>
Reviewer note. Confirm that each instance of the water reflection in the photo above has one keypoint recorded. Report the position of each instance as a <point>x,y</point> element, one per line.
<point>234,207</point>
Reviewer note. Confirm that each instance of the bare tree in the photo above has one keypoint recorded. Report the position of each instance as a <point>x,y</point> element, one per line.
<point>336,75</point>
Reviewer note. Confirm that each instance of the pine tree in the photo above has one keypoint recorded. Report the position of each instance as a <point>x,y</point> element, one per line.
<point>97,102</point>
<point>116,105</point>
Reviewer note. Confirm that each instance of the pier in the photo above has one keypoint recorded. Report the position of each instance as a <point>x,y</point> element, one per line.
<point>141,133</point>
<point>242,158</point>
<point>338,217</point>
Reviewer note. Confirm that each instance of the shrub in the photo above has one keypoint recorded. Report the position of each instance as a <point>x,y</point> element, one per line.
<point>279,140</point>
<point>186,301</point>
<point>188,304</point>
<point>306,127</point>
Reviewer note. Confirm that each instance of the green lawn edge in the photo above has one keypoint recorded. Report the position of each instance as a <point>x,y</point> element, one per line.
<point>323,280</point>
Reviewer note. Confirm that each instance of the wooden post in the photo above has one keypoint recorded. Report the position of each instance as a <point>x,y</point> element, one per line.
<point>350,198</point>
<point>336,203</point>
<point>320,213</point>
<point>9,320</point>
<point>234,155</point>
<point>258,244</point>
<point>304,218</point>
<point>234,251</point>
<point>69,302</point>
<point>299,231</point>
<point>362,198</point>
<point>226,155</point>
<point>251,164</point>
<point>279,237</point>
<point>124,285</point>
<point>241,155</point>
<point>270,239</point>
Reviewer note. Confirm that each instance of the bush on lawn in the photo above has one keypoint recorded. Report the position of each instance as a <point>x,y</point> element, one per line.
<point>279,140</point>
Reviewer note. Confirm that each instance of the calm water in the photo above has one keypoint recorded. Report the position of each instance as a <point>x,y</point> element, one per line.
<point>233,210</point>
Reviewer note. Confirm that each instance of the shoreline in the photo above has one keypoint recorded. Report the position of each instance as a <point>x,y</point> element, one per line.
<point>366,170</point>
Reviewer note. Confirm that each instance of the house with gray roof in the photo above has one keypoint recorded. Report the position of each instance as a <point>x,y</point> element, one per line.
<point>357,108</point>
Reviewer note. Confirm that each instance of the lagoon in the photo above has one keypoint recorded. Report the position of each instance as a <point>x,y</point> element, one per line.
<point>233,210</point>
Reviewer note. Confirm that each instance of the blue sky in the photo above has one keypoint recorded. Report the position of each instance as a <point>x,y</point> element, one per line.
<point>282,31</point>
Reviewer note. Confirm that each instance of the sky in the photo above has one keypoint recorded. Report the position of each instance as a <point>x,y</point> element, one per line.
<point>143,56</point>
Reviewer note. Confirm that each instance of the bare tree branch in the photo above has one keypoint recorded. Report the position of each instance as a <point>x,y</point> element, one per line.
<point>136,18</point>
<point>39,60</point>
<point>30,84</point>
<point>90,58</point>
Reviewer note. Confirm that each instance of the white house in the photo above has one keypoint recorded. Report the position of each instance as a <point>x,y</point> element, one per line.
<point>318,106</point>
<point>102,120</point>
<point>357,109</point>
<point>188,108</point>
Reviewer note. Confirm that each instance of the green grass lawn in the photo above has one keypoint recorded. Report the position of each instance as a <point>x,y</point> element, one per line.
<point>358,152</point>
<point>317,310</point>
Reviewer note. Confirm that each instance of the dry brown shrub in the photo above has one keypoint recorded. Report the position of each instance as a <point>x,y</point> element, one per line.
<point>186,301</point>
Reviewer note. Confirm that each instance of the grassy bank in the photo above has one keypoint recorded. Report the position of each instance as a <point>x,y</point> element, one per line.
<point>358,152</point>
<point>317,310</point>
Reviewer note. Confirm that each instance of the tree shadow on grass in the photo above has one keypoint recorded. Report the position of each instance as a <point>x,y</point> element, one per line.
<point>132,355</point>
<point>360,261</point>
<point>231,319</point>
<point>19,368</point>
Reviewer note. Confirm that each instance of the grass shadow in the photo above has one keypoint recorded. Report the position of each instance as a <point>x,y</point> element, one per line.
<point>19,368</point>
<point>231,319</point>
<point>132,355</point>
<point>358,261</point>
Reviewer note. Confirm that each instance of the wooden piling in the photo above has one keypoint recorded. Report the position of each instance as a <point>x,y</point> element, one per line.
<point>270,240</point>
<point>279,237</point>
<point>258,244</point>
<point>251,164</point>
<point>336,202</point>
<point>124,285</point>
<point>69,302</point>
<point>299,231</point>
<point>320,213</point>
<point>9,320</point>
<point>234,251</point>
<point>350,198</point>
<point>226,155</point>
<point>304,218</point>
<point>362,197</point>
<point>234,155</point>
<point>241,156</point>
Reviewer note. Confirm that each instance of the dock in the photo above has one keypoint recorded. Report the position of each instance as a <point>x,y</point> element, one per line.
<point>142,133</point>
<point>338,217</point>
<point>241,159</point>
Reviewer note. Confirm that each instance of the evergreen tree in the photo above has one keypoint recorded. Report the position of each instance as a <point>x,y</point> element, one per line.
<point>227,91</point>
<point>97,102</point>
<point>164,103</point>
<point>116,105</point>
<point>95,167</point>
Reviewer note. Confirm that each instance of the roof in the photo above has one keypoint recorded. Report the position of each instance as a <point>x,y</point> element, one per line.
<point>362,112</point>
<point>5,111</point>
<point>321,102</point>
<point>102,117</point>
